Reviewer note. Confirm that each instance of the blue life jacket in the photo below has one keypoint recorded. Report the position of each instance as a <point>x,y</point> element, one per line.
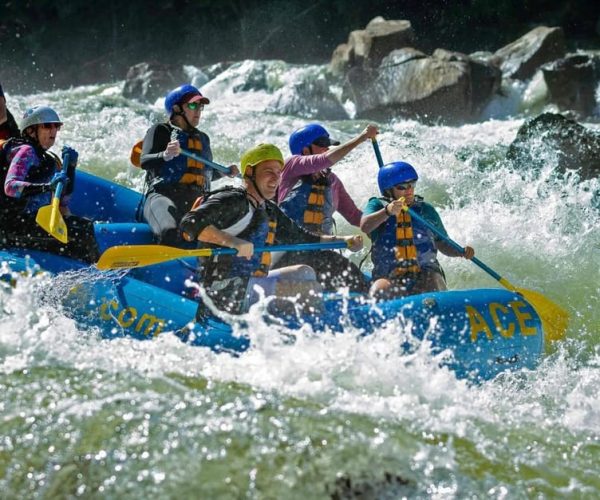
<point>260,232</point>
<point>384,258</point>
<point>310,204</point>
<point>184,170</point>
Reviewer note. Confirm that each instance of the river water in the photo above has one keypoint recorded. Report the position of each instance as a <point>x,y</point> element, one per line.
<point>325,416</point>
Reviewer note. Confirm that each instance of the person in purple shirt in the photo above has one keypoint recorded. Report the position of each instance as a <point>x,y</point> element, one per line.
<point>29,174</point>
<point>310,193</point>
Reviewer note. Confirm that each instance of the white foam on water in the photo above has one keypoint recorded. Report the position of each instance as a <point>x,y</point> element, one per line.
<point>538,230</point>
<point>342,372</point>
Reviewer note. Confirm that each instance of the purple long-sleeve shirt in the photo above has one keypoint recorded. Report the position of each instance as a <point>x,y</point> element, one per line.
<point>23,159</point>
<point>298,166</point>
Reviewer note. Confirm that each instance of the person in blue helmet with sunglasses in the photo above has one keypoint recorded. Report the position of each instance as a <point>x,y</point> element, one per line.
<point>404,251</point>
<point>175,181</point>
<point>311,193</point>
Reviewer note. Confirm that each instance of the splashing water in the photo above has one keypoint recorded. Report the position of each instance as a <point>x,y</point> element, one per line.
<point>319,414</point>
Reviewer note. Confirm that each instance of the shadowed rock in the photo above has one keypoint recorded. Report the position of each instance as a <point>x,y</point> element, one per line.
<point>149,81</point>
<point>310,99</point>
<point>572,83</point>
<point>486,78</point>
<point>388,486</point>
<point>552,137</point>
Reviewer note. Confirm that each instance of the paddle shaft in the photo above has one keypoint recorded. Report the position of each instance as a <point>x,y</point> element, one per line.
<point>216,166</point>
<point>57,196</point>
<point>377,152</point>
<point>554,318</point>
<point>59,188</point>
<point>129,256</point>
<point>298,247</point>
<point>453,243</point>
<point>439,233</point>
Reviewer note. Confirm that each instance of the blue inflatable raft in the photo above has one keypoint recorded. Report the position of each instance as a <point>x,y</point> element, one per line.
<point>487,331</point>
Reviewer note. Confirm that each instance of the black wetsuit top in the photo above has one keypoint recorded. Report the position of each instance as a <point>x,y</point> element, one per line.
<point>224,208</point>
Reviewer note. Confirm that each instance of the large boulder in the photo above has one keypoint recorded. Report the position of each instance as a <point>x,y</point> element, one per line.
<point>367,48</point>
<point>520,59</point>
<point>486,77</point>
<point>311,98</point>
<point>448,87</point>
<point>147,81</point>
<point>249,75</point>
<point>553,138</point>
<point>572,83</point>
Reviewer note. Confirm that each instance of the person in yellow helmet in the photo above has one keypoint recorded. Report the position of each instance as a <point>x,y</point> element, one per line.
<point>244,218</point>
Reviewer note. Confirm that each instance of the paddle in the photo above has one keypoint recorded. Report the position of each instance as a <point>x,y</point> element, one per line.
<point>136,156</point>
<point>554,318</point>
<point>128,256</point>
<point>212,164</point>
<point>49,216</point>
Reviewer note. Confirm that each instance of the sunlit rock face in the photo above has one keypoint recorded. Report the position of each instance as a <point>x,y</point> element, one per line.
<point>520,59</point>
<point>449,87</point>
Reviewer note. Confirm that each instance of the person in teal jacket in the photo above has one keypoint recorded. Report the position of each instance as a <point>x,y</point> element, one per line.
<point>404,251</point>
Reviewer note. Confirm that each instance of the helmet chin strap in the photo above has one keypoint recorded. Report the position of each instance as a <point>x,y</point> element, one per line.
<point>257,188</point>
<point>182,114</point>
<point>252,179</point>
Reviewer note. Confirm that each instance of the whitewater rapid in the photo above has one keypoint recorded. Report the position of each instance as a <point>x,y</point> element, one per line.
<point>128,418</point>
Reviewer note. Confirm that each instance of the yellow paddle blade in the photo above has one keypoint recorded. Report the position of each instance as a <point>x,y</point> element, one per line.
<point>555,319</point>
<point>51,221</point>
<point>127,256</point>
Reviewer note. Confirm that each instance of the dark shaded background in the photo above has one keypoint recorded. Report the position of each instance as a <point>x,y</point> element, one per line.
<point>47,44</point>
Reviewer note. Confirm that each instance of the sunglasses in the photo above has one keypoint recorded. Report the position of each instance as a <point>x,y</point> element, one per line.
<point>404,186</point>
<point>57,126</point>
<point>322,142</point>
<point>193,106</point>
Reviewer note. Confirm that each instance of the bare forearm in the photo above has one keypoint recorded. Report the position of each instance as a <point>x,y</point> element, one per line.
<point>211,234</point>
<point>368,223</point>
<point>336,154</point>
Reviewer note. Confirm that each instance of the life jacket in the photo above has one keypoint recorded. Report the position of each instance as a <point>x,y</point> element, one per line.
<point>404,247</point>
<point>260,231</point>
<point>310,204</point>
<point>181,169</point>
<point>48,166</point>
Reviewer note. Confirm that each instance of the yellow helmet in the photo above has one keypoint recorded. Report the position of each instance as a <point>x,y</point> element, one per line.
<point>258,154</point>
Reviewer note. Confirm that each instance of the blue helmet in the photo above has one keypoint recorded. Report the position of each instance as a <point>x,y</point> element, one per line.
<point>182,94</point>
<point>307,135</point>
<point>394,173</point>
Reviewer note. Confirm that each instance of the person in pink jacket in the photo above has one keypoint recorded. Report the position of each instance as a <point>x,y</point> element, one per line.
<point>310,193</point>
